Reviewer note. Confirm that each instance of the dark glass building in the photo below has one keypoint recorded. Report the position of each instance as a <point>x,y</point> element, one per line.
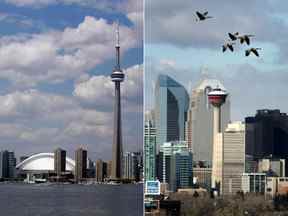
<point>266,135</point>
<point>59,161</point>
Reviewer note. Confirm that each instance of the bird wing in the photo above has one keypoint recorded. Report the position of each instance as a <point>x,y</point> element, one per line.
<point>231,47</point>
<point>241,40</point>
<point>247,52</point>
<point>232,37</point>
<point>247,40</point>
<point>224,48</point>
<point>255,52</point>
<point>200,15</point>
<point>205,13</point>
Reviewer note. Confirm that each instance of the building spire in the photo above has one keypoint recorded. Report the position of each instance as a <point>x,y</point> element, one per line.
<point>117,46</point>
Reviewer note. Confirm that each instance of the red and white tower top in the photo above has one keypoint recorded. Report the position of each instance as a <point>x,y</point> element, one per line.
<point>217,97</point>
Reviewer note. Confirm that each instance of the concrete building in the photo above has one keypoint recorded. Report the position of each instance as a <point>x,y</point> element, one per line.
<point>199,125</point>
<point>171,106</point>
<point>101,171</point>
<point>132,165</point>
<point>217,98</point>
<point>253,182</point>
<point>80,164</point>
<point>59,161</point>
<point>233,157</point>
<point>150,151</point>
<point>117,77</point>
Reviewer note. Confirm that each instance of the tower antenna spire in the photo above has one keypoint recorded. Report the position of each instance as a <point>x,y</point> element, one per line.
<point>117,46</point>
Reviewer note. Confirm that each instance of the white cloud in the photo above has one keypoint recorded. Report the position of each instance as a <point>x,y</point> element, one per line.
<point>27,60</point>
<point>100,90</point>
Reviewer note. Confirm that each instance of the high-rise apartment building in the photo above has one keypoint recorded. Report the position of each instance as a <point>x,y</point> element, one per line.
<point>171,106</point>
<point>59,161</point>
<point>80,164</point>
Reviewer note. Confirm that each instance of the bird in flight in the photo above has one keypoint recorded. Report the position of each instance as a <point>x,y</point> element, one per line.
<point>228,45</point>
<point>233,36</point>
<point>254,50</point>
<point>245,38</point>
<point>203,16</point>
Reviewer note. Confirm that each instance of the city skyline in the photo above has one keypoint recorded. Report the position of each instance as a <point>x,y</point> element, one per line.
<point>55,89</point>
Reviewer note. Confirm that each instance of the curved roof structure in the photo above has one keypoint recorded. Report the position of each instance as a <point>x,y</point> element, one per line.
<point>43,161</point>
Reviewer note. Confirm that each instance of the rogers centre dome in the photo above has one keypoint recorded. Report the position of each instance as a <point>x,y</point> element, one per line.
<point>43,162</point>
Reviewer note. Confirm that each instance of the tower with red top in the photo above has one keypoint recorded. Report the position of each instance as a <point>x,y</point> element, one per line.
<point>217,98</point>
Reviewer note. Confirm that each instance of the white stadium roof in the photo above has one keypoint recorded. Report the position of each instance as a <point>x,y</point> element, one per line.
<point>43,161</point>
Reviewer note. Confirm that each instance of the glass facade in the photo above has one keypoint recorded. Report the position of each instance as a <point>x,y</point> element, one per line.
<point>150,151</point>
<point>171,106</point>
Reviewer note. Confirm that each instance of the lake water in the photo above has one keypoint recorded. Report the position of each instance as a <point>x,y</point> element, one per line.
<point>71,200</point>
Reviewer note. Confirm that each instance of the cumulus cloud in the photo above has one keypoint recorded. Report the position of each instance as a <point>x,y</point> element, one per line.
<point>99,90</point>
<point>52,57</point>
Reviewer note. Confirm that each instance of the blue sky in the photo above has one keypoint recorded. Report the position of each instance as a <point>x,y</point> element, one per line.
<point>55,62</point>
<point>179,46</point>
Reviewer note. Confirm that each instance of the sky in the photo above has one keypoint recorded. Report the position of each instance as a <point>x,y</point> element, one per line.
<point>188,51</point>
<point>56,57</point>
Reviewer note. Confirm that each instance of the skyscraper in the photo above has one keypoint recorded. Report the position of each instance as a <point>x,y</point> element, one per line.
<point>117,77</point>
<point>181,175</point>
<point>59,161</point>
<point>267,134</point>
<point>101,170</point>
<point>150,151</point>
<point>132,165</point>
<point>233,157</point>
<point>7,164</point>
<point>199,125</point>
<point>171,105</point>
<point>164,158</point>
<point>80,164</point>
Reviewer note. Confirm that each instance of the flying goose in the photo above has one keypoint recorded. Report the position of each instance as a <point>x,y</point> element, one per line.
<point>254,50</point>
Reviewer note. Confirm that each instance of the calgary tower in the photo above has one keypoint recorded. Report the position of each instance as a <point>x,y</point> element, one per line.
<point>117,77</point>
<point>217,98</point>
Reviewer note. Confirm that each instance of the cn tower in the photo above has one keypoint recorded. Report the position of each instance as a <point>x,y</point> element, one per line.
<point>217,98</point>
<point>117,77</point>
